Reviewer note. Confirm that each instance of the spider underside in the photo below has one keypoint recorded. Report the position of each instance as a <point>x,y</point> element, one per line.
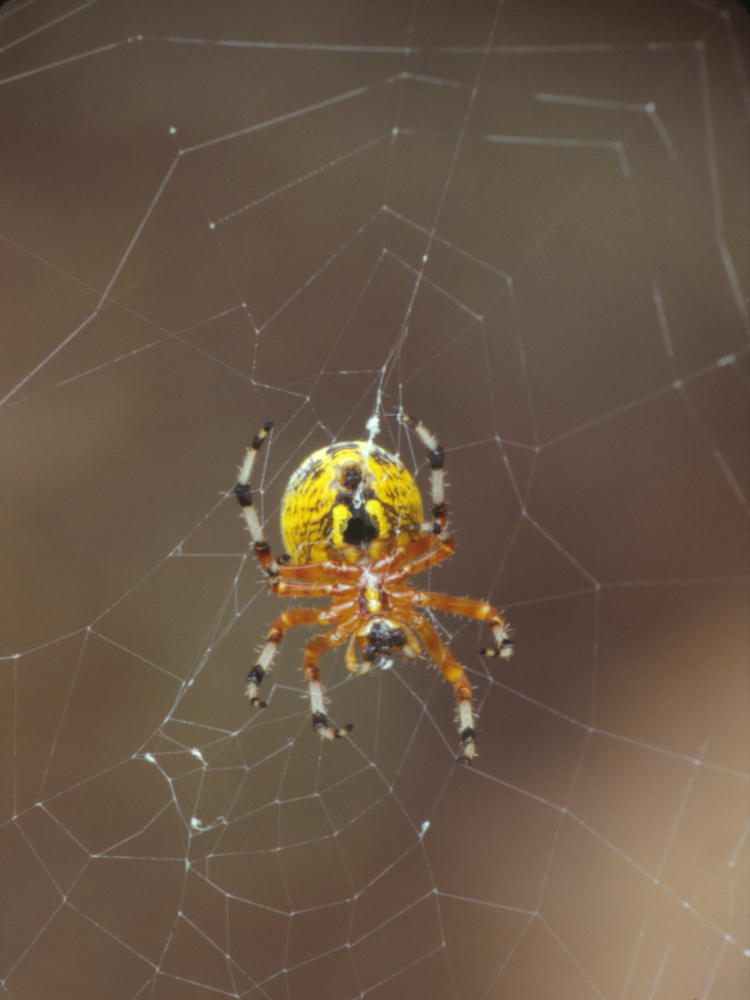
<point>352,518</point>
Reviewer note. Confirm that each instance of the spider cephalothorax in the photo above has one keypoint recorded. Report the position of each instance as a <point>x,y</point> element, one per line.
<point>353,527</point>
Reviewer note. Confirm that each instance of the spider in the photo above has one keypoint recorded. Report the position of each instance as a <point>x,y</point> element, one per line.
<point>353,526</point>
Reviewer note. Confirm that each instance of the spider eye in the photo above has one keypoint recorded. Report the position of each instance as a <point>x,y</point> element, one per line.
<point>351,477</point>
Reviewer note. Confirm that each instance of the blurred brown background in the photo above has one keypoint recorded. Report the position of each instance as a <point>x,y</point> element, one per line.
<point>215,214</point>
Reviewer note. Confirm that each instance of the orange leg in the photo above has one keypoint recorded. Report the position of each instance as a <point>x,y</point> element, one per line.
<point>320,571</point>
<point>454,672</point>
<point>289,619</point>
<point>313,650</point>
<point>298,588</point>
<point>444,551</point>
<point>391,565</point>
<point>393,562</point>
<point>469,609</point>
<point>417,555</point>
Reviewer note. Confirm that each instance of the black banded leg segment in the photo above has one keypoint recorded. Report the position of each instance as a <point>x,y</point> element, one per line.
<point>435,456</point>
<point>505,650</point>
<point>467,744</point>
<point>503,645</point>
<point>243,492</point>
<point>313,650</point>
<point>297,616</point>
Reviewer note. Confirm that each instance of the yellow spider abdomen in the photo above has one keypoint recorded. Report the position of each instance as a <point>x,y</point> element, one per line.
<point>351,496</point>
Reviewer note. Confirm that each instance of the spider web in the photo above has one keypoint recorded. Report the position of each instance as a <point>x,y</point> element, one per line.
<point>524,223</point>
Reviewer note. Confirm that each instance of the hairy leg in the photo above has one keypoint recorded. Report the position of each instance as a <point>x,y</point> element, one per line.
<point>289,619</point>
<point>243,492</point>
<point>454,672</point>
<point>469,609</point>
<point>313,650</point>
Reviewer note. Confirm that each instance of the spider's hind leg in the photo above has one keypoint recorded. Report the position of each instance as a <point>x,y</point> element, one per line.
<point>321,723</point>
<point>452,670</point>
<point>297,616</point>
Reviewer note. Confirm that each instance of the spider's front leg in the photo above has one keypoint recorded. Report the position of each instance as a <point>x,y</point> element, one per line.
<point>435,456</point>
<point>244,495</point>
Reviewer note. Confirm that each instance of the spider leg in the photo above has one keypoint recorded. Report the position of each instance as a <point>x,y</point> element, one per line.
<point>469,609</point>
<point>351,658</point>
<point>414,560</point>
<point>454,672</point>
<point>324,579</point>
<point>244,495</point>
<point>313,650</point>
<point>412,649</point>
<point>435,456</point>
<point>298,616</point>
<point>295,588</point>
<point>321,571</point>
